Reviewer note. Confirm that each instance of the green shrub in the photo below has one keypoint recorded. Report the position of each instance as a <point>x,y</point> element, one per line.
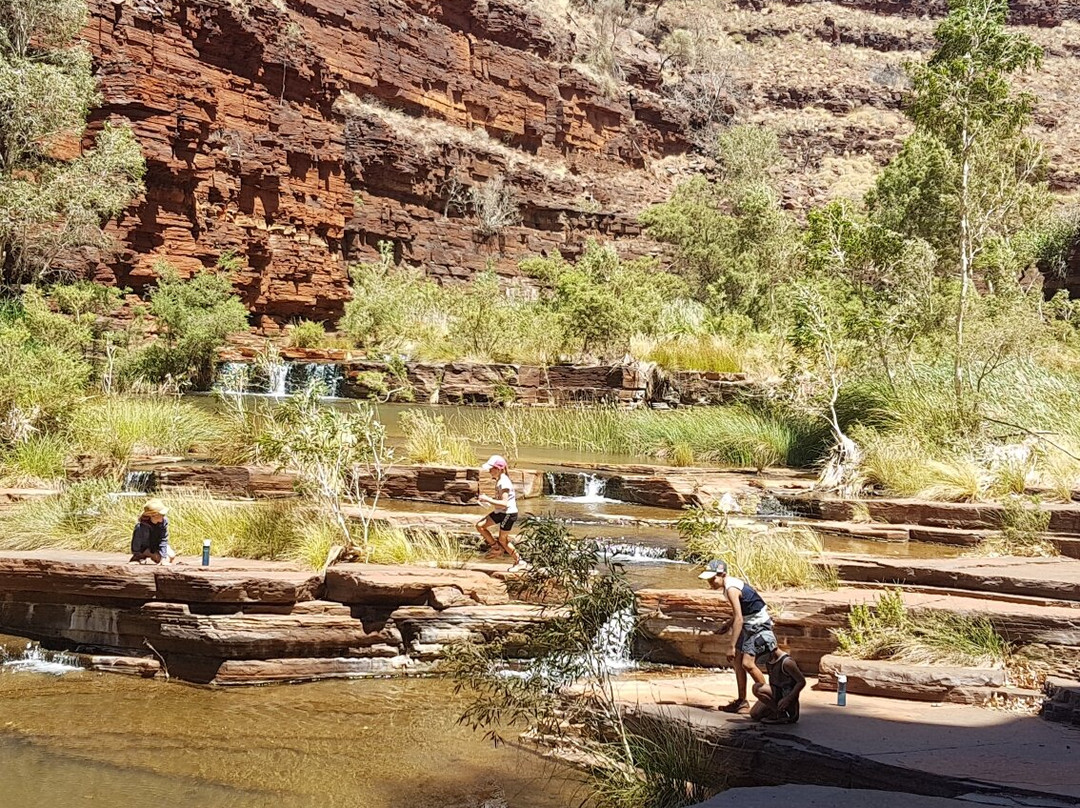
<point>307,334</point>
<point>194,317</point>
<point>1023,530</point>
<point>427,440</point>
<point>119,427</point>
<point>888,631</point>
<point>37,460</point>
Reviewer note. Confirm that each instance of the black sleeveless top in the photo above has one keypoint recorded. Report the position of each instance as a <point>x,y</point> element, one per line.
<point>781,683</point>
<point>750,601</point>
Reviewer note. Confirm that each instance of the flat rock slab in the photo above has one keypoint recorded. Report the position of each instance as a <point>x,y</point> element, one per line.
<point>824,797</point>
<point>211,585</point>
<point>1053,578</point>
<point>902,680</point>
<point>66,575</point>
<point>375,585</point>
<point>904,746</point>
<point>299,669</point>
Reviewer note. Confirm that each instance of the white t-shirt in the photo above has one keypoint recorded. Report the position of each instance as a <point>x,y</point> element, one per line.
<point>504,484</point>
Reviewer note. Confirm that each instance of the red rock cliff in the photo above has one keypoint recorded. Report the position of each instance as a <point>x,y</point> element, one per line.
<point>300,135</point>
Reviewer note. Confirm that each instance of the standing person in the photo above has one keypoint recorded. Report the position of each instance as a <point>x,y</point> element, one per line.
<point>749,617</point>
<point>503,515</point>
<point>778,700</point>
<point>150,538</point>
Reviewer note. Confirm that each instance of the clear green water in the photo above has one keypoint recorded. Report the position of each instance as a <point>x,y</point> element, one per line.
<point>89,739</point>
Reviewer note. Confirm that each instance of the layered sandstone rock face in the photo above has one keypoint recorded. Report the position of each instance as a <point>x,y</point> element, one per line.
<point>301,134</point>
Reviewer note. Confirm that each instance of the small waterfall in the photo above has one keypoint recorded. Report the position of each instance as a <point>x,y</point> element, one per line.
<point>140,482</point>
<point>302,375</point>
<point>770,507</point>
<point>637,553</point>
<point>613,641</point>
<point>278,376</point>
<point>582,488</point>
<point>233,377</point>
<point>35,659</point>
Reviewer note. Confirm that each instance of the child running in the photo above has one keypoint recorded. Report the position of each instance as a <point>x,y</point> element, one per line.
<point>504,513</point>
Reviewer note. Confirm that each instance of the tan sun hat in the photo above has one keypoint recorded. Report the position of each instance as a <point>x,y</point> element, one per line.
<point>155,506</point>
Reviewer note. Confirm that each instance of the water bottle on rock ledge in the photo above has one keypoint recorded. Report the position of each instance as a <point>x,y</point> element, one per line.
<point>206,552</point>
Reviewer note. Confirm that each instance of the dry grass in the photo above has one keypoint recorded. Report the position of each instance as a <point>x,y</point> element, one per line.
<point>432,134</point>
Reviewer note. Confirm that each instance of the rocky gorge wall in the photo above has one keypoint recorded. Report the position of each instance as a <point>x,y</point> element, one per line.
<point>300,134</point>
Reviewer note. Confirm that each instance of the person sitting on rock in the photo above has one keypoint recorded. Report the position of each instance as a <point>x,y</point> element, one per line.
<point>778,699</point>
<point>150,538</point>
<point>504,513</point>
<point>749,617</point>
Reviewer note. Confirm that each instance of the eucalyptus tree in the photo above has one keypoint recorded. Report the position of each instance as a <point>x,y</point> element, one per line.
<point>49,205</point>
<point>990,175</point>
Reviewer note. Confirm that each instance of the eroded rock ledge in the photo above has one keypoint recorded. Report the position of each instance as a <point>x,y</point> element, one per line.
<point>253,622</point>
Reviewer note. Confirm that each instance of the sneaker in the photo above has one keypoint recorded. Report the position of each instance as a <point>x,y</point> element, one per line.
<point>736,706</point>
<point>520,566</point>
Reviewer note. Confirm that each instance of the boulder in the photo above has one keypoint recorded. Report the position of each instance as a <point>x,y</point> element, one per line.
<point>902,680</point>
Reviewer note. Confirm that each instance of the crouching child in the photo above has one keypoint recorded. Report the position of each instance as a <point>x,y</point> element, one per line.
<point>778,699</point>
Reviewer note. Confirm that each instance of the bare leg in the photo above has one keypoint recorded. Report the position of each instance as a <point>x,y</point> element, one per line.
<point>483,527</point>
<point>740,674</point>
<point>766,705</point>
<point>508,546</point>
<point>752,669</point>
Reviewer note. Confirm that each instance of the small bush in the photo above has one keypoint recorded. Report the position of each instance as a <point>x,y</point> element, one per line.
<point>35,461</point>
<point>118,428</point>
<point>194,317</point>
<point>427,440</point>
<point>1023,531</point>
<point>307,334</point>
<point>495,205</point>
<point>888,631</point>
<point>707,353</point>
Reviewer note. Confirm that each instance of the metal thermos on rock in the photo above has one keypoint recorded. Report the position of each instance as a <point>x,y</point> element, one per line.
<point>206,552</point>
<point>841,689</point>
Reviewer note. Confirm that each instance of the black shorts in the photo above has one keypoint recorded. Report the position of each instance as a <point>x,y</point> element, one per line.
<point>504,520</point>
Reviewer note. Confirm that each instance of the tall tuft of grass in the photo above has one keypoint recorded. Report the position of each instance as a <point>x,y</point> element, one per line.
<point>775,559</point>
<point>118,428</point>
<point>706,352</point>
<point>736,435</point>
<point>38,460</point>
<point>887,630</point>
<point>1022,533</point>
<point>394,545</point>
<point>428,440</point>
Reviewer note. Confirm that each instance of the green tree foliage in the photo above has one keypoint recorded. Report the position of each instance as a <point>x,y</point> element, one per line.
<point>47,206</point>
<point>733,241</point>
<point>963,98</point>
<point>43,371</point>
<point>194,317</point>
<point>601,300</point>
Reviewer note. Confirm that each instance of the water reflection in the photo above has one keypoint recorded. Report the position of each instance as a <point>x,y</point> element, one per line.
<point>97,739</point>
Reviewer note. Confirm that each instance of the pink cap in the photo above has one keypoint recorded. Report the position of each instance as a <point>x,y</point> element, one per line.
<point>494,462</point>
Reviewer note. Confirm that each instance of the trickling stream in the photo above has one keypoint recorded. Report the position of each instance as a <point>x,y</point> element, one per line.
<point>35,659</point>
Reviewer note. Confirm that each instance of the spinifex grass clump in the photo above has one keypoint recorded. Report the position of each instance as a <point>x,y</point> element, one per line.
<point>563,688</point>
<point>773,559</point>
<point>38,460</point>
<point>1022,533</point>
<point>887,630</point>
<point>119,427</point>
<point>90,516</point>
<point>428,440</point>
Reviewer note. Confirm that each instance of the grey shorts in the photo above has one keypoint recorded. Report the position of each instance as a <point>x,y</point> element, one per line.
<point>752,626</point>
<point>140,545</point>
